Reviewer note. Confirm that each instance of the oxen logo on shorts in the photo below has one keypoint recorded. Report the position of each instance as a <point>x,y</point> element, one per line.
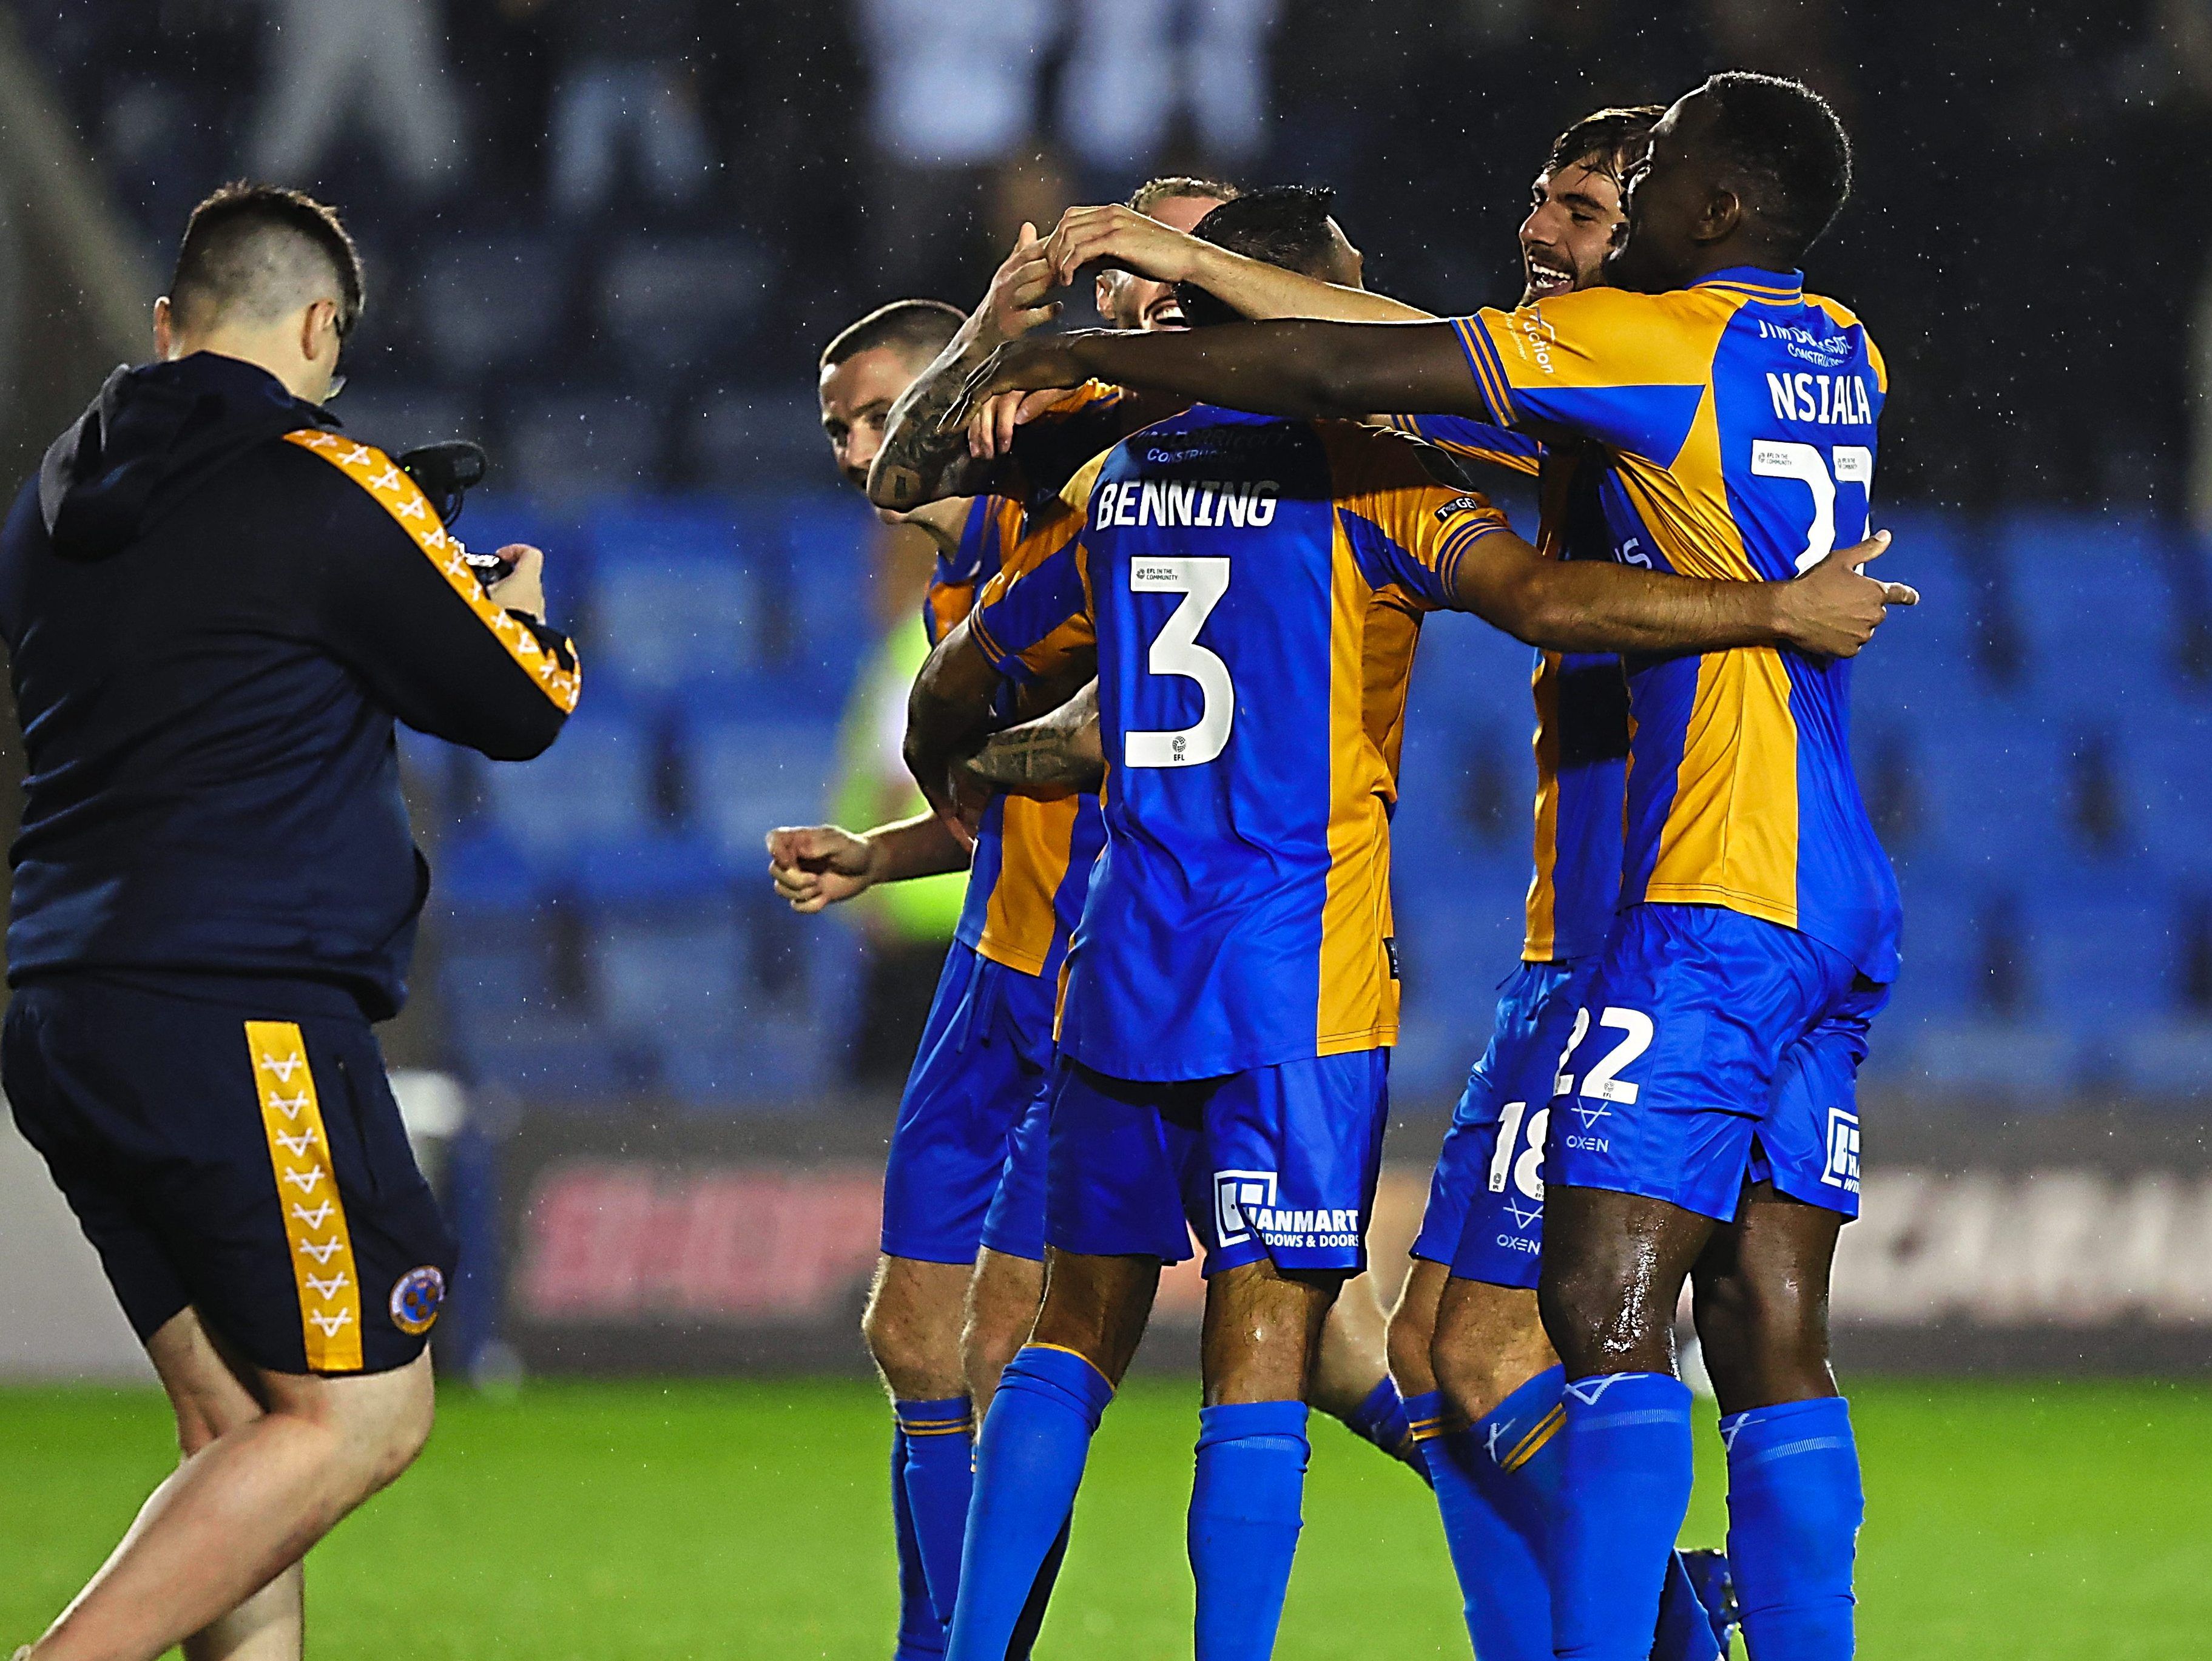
<point>415,1298</point>
<point>1236,1195</point>
<point>1843,1167</point>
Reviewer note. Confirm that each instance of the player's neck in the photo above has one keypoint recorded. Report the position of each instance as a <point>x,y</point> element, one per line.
<point>1736,255</point>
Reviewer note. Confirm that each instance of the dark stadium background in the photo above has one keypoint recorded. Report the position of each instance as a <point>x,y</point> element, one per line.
<point>636,1074</point>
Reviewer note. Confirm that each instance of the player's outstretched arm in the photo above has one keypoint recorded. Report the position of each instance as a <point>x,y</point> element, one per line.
<point>1122,236</point>
<point>919,463</point>
<point>1285,367</point>
<point>1582,606</point>
<point>948,714</point>
<point>815,866</point>
<point>1052,756</point>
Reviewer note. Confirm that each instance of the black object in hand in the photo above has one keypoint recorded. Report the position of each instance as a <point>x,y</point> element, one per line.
<point>445,472</point>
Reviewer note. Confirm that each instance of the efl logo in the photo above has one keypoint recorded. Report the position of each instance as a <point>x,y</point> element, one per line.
<point>1843,1168</point>
<point>1236,1193</point>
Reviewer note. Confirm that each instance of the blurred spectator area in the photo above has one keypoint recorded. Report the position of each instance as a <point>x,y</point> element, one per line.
<point>2035,742</point>
<point>637,221</point>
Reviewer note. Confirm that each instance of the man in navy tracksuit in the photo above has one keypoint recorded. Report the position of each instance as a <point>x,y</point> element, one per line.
<point>217,603</point>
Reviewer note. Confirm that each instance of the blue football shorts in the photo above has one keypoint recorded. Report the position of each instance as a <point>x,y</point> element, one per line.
<point>984,1053</point>
<point>1713,1049</point>
<point>1277,1162</point>
<point>1536,1011</point>
<point>1015,1224</point>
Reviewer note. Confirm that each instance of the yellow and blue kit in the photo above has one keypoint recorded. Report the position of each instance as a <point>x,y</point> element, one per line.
<point>988,1043</point>
<point>1254,590</point>
<point>1737,419</point>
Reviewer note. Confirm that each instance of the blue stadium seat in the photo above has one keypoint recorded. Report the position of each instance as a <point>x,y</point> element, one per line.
<point>827,542</point>
<point>744,777</point>
<point>1989,784</point>
<point>2165,774</point>
<point>2100,960</point>
<point>2093,598</point>
<point>1465,669</point>
<point>594,785</point>
<point>675,607</point>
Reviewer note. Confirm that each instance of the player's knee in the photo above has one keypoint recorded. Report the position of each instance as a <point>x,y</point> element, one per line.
<point>1764,1343</point>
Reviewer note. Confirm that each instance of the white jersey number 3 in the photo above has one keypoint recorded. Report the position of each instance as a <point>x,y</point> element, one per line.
<point>1176,651</point>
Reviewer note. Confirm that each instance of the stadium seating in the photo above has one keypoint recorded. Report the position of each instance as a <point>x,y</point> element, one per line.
<point>2034,742</point>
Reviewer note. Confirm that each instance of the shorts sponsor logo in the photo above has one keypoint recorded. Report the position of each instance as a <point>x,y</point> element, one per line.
<point>1842,1170</point>
<point>417,1297</point>
<point>1248,1203</point>
<point>1237,1196</point>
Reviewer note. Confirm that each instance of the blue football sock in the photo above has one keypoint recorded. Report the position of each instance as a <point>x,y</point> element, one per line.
<point>1380,1418</point>
<point>1795,1507</point>
<point>1425,1419</point>
<point>1244,1521</point>
<point>1029,1463</point>
<point>1032,1622</point>
<point>1494,1484</point>
<point>1625,1471</point>
<point>920,1634</point>
<point>941,1469</point>
<point>1686,1629</point>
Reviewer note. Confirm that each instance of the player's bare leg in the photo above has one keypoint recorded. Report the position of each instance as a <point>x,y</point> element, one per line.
<point>245,1508</point>
<point>1489,1342</point>
<point>1002,1309</point>
<point>1761,1294</point>
<point>1413,1327</point>
<point>1352,1355</point>
<point>210,1395</point>
<point>912,1325</point>
<point>1262,1331</point>
<point>1097,1307</point>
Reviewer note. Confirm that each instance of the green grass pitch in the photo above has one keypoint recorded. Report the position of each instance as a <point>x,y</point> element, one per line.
<point>749,1520</point>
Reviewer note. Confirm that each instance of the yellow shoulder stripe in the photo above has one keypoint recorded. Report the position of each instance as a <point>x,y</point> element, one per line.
<point>399,496</point>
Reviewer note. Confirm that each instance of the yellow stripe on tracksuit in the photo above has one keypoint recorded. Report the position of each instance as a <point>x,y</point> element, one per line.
<point>399,496</point>
<point>308,1193</point>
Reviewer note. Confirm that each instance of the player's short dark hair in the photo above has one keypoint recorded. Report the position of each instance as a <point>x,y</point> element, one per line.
<point>264,250</point>
<point>922,327</point>
<point>1181,187</point>
<point>1605,140</point>
<point>1786,154</point>
<point>1284,225</point>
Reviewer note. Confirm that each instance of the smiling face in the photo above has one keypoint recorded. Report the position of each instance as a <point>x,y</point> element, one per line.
<point>1673,206</point>
<point>1569,228</point>
<point>1129,301</point>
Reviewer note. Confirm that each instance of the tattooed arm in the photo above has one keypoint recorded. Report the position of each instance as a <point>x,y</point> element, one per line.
<point>1052,756</point>
<point>917,463</point>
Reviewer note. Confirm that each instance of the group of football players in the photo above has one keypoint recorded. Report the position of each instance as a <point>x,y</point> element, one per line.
<point>1184,565</point>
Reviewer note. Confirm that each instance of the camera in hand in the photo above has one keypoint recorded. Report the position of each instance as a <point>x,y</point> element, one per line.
<point>445,472</point>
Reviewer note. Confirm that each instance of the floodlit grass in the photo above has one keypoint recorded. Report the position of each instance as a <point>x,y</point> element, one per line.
<point>749,1520</point>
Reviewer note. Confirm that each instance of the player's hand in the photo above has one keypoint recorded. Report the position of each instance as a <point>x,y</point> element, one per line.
<point>523,588</point>
<point>1123,238</point>
<point>1015,302</point>
<point>971,794</point>
<point>1834,608</point>
<point>1034,363</point>
<point>813,866</point>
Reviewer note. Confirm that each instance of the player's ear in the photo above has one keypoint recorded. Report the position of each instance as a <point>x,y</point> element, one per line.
<point>1722,214</point>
